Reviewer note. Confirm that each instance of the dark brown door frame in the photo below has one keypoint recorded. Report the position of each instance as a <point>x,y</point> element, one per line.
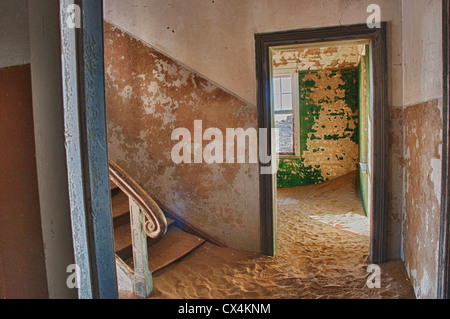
<point>377,36</point>
<point>444,253</point>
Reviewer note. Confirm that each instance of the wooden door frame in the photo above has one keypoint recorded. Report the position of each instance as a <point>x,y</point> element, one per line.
<point>377,37</point>
<point>444,250</point>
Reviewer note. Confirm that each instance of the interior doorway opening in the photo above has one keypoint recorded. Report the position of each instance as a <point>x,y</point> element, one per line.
<point>321,103</point>
<point>320,97</point>
<point>374,42</point>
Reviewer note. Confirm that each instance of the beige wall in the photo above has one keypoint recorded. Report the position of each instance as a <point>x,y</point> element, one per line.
<point>14,33</point>
<point>422,50</point>
<point>216,38</point>
<point>45,55</point>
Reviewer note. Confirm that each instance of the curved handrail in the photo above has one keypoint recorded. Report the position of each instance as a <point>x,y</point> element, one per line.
<point>156,222</point>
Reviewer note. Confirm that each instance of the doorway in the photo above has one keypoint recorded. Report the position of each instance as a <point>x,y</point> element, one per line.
<point>321,99</point>
<point>277,101</point>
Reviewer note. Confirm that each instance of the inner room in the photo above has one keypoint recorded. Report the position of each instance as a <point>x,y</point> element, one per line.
<point>321,104</point>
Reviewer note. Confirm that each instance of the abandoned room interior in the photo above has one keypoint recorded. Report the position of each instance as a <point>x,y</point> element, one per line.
<point>226,149</point>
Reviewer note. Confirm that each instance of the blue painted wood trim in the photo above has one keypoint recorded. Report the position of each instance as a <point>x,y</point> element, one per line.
<point>94,143</point>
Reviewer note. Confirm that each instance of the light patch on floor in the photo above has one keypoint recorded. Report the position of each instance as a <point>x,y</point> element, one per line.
<point>351,222</point>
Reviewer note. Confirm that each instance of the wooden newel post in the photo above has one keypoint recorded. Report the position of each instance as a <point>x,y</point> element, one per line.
<point>143,282</point>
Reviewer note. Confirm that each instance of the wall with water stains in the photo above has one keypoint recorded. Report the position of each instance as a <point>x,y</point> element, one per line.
<point>422,160</point>
<point>148,96</point>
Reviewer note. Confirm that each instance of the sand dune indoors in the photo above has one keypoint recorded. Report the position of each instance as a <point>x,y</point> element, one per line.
<point>323,253</point>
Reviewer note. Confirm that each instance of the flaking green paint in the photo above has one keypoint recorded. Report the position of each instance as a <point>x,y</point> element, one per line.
<point>294,172</point>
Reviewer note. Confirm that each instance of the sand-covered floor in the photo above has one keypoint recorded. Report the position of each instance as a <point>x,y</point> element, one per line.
<point>323,249</point>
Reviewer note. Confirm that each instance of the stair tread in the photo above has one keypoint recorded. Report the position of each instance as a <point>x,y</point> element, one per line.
<point>175,245</point>
<point>169,222</point>
<point>112,185</point>
<point>122,236</point>
<point>120,204</point>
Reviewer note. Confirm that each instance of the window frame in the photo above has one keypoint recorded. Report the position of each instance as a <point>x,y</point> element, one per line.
<point>293,74</point>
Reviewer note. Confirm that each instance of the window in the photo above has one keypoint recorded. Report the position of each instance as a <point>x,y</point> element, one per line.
<point>282,89</point>
<point>284,104</point>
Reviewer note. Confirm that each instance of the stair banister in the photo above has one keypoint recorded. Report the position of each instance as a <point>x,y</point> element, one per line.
<point>147,219</point>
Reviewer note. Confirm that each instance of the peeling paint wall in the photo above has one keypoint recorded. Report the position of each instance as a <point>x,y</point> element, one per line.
<point>423,144</point>
<point>329,93</point>
<point>332,142</point>
<point>148,95</point>
<point>339,57</point>
<point>329,131</point>
<point>199,34</point>
<point>422,116</point>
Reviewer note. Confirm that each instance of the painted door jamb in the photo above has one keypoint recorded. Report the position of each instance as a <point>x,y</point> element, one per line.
<point>86,149</point>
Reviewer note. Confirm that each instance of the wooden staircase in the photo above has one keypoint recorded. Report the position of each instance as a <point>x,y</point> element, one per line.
<point>163,252</point>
